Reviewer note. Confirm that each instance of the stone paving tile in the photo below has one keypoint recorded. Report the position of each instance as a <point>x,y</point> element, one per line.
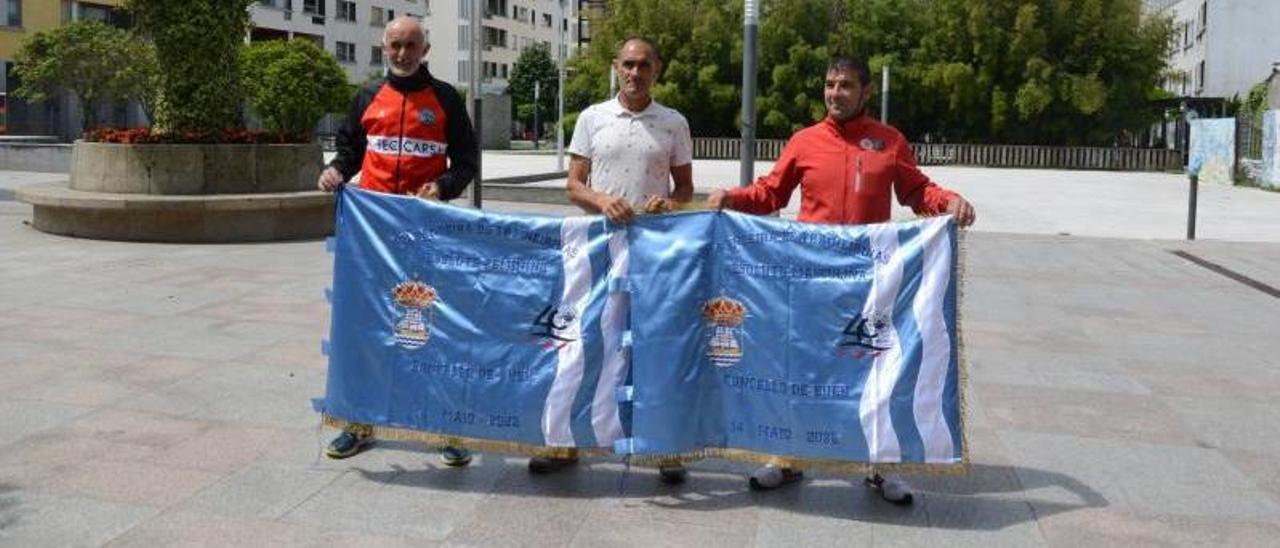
<point>375,508</point>
<point>140,483</point>
<point>197,337</point>
<point>132,427</point>
<point>510,520</point>
<point>184,528</point>
<point>250,394</point>
<point>31,519</point>
<point>26,417</point>
<point>1232,424</point>
<point>294,354</point>
<point>1106,527</point>
<point>783,527</point>
<point>222,448</point>
<point>1084,414</point>
<point>612,528</point>
<point>313,316</point>
<point>260,491</point>
<point>1259,386</point>
<point>1263,468</point>
<point>1138,478</point>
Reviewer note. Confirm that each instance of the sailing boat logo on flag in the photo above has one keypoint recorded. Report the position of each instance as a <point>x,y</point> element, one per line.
<point>725,317</point>
<point>868,335</point>
<point>414,298</point>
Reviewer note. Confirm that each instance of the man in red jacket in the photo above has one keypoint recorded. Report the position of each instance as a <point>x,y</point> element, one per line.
<point>406,134</point>
<point>846,165</point>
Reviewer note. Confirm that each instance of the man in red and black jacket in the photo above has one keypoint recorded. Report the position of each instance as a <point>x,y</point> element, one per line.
<point>406,134</point>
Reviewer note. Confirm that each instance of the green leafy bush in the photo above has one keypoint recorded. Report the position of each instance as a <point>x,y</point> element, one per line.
<point>197,47</point>
<point>291,84</point>
<point>95,61</point>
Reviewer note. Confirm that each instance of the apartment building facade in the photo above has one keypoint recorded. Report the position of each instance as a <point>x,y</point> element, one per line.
<point>1220,48</point>
<point>61,115</point>
<point>352,31</point>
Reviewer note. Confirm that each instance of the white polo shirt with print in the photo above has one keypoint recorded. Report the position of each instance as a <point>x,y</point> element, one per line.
<point>632,153</point>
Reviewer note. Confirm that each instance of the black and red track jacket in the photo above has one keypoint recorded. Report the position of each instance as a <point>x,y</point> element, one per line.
<point>399,132</point>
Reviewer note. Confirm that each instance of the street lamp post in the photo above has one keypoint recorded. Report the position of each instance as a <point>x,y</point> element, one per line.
<point>560,24</point>
<point>750,27</point>
<point>884,94</point>
<point>475,59</point>
<point>537,128</point>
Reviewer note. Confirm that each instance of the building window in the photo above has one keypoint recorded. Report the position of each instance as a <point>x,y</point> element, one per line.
<point>546,20</point>
<point>346,11</point>
<point>496,8</point>
<point>1203,20</point>
<point>494,38</point>
<point>13,13</point>
<point>346,52</point>
<point>464,37</point>
<point>313,6</point>
<point>1200,78</point>
<point>504,71</point>
<point>375,56</point>
<point>377,16</point>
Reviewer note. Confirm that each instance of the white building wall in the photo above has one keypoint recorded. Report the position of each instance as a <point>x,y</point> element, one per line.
<point>1243,42</point>
<point>1235,41</point>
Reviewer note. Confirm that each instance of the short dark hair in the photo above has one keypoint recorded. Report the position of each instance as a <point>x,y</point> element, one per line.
<point>639,38</point>
<point>853,63</point>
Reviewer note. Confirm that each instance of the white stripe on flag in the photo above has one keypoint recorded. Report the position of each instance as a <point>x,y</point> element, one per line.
<point>873,409</point>
<point>936,357</point>
<point>604,406</point>
<point>557,414</point>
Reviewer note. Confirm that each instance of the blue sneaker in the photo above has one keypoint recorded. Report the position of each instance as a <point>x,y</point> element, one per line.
<point>456,457</point>
<point>353,439</point>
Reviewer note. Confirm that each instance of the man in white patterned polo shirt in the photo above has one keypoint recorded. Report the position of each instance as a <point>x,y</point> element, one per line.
<point>629,154</point>
<point>628,151</point>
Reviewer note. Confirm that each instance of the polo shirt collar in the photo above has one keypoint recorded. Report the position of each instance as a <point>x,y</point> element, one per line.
<point>615,108</point>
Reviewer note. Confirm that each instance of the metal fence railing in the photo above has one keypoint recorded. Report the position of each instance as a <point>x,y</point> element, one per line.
<point>1048,157</point>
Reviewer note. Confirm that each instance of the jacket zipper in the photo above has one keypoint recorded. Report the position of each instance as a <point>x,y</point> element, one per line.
<point>857,182</point>
<point>404,99</point>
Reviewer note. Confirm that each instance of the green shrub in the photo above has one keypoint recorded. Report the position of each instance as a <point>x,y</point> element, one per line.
<point>90,59</point>
<point>291,84</point>
<point>198,50</point>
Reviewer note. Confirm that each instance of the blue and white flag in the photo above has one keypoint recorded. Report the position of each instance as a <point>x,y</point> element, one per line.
<point>676,336</point>
<point>776,341</point>
<point>474,325</point>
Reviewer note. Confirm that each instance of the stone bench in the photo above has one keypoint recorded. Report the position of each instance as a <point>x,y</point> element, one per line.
<point>211,218</point>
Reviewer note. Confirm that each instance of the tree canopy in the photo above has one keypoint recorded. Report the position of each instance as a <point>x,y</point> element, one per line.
<point>292,83</point>
<point>94,61</point>
<point>1013,71</point>
<point>534,65</point>
<point>198,45</point>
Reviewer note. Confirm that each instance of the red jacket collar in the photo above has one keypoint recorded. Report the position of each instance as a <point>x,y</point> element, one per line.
<point>854,125</point>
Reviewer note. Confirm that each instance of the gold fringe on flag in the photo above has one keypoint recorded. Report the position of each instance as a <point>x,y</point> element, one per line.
<point>475,444</point>
<point>739,455</point>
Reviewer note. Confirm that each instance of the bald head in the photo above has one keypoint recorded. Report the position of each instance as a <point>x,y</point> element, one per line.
<point>404,43</point>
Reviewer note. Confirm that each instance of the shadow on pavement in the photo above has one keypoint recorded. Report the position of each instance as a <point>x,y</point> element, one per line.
<point>990,497</point>
<point>9,514</point>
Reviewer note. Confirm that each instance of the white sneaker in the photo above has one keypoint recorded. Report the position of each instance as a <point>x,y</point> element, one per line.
<point>773,477</point>
<point>891,488</point>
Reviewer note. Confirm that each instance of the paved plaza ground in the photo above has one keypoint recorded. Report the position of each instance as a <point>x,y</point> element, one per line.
<point>1119,394</point>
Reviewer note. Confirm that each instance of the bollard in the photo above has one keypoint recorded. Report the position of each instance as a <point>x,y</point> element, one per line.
<point>1191,207</point>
